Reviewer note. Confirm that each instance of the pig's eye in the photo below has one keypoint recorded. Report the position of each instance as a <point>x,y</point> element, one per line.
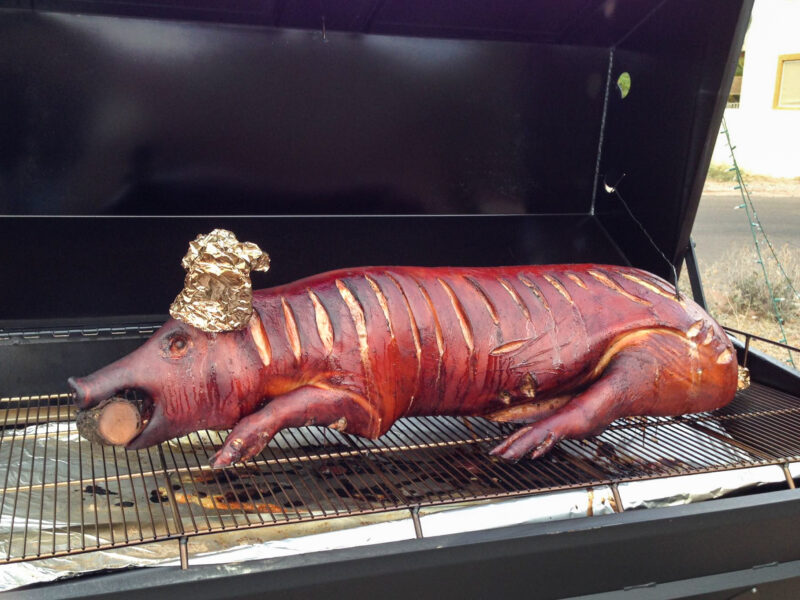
<point>177,346</point>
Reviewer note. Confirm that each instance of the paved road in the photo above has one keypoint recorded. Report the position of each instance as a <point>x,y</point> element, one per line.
<point>719,228</point>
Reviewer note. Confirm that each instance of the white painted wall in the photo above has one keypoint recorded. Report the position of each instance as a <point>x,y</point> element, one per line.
<point>767,140</point>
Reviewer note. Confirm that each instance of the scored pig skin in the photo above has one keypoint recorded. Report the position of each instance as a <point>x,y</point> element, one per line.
<point>565,349</point>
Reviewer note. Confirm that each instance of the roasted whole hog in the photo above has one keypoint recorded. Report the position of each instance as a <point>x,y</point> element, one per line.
<point>563,349</point>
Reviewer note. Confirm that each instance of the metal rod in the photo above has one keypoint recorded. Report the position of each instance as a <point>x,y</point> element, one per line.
<point>16,497</point>
<point>788,474</point>
<point>183,549</point>
<point>171,490</point>
<point>694,275</point>
<point>15,416</point>
<point>173,504</point>
<point>151,455</point>
<point>417,523</point>
<point>761,339</point>
<point>177,520</point>
<point>55,491</point>
<point>746,350</point>
<point>618,506</point>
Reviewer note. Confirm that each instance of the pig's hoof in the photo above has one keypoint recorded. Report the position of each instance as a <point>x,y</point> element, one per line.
<point>236,449</point>
<point>223,458</point>
<point>533,439</point>
<point>230,453</point>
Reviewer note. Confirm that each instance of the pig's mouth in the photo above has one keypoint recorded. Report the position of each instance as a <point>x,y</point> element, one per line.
<point>119,419</point>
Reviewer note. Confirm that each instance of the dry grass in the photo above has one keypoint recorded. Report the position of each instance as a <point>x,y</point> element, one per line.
<point>721,172</point>
<point>738,296</point>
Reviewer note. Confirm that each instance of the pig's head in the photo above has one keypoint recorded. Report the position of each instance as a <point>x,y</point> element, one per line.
<point>181,380</point>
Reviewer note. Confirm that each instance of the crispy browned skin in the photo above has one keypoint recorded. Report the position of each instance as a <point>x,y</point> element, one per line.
<point>568,348</point>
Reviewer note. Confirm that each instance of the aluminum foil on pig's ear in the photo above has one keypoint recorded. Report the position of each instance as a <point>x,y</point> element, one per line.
<point>217,294</point>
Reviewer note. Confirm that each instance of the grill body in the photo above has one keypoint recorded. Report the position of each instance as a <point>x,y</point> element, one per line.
<point>346,134</point>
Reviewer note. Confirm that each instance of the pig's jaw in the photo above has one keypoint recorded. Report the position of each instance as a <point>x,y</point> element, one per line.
<point>154,431</point>
<point>164,424</point>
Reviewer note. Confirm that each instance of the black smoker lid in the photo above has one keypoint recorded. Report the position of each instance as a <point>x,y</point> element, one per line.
<point>393,107</point>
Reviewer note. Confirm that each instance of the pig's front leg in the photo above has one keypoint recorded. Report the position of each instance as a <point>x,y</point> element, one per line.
<point>307,405</point>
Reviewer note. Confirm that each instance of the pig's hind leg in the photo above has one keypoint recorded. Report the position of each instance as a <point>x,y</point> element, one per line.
<point>657,373</point>
<point>588,412</point>
<point>308,405</point>
<point>628,379</point>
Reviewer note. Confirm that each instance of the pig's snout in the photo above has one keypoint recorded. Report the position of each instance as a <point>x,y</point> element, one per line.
<point>79,393</point>
<point>91,391</point>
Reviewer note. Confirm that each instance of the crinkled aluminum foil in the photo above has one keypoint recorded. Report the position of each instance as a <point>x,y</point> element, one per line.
<point>743,378</point>
<point>685,489</point>
<point>217,294</point>
<point>517,511</point>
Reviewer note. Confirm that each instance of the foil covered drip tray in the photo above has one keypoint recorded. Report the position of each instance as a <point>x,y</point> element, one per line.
<point>70,506</point>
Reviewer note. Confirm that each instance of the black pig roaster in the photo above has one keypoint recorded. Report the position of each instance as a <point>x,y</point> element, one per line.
<point>338,134</point>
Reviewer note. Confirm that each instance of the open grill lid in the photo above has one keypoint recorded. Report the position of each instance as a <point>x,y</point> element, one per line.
<point>359,108</point>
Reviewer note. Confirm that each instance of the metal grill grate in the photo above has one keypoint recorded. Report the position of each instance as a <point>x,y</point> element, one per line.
<point>91,497</point>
